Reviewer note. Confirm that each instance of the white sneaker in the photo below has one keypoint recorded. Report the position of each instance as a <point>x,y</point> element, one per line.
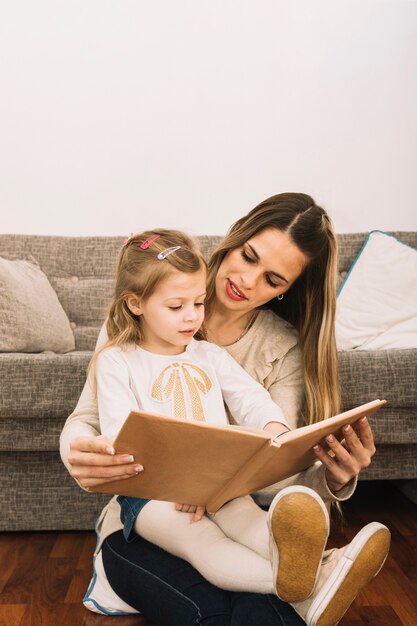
<point>100,597</point>
<point>343,573</point>
<point>298,522</point>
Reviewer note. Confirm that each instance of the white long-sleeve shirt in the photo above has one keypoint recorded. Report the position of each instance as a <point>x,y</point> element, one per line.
<point>191,385</point>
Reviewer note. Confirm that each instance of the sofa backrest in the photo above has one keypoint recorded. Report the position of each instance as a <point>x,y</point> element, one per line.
<point>81,270</point>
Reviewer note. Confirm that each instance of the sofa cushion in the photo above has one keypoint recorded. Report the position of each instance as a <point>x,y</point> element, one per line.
<point>81,271</point>
<point>41,385</point>
<point>386,374</point>
<point>377,303</point>
<point>31,316</point>
<point>39,494</point>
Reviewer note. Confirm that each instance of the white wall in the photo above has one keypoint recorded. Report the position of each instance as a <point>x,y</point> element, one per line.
<point>126,114</point>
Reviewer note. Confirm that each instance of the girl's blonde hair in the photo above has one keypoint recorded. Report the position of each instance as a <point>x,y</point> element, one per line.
<point>139,271</point>
<point>310,304</point>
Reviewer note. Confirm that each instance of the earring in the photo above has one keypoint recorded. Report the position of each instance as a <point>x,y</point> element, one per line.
<point>280,297</point>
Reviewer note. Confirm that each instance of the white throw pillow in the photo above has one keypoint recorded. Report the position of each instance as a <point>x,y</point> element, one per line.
<point>377,303</point>
<point>31,316</point>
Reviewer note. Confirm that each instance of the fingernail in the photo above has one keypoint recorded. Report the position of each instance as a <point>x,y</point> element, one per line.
<point>316,448</point>
<point>110,450</point>
<point>138,469</point>
<point>346,428</point>
<point>128,458</point>
<point>363,419</point>
<point>330,438</point>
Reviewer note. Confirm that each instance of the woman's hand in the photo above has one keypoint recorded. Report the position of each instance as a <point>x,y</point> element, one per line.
<point>93,462</point>
<point>350,457</point>
<point>191,508</point>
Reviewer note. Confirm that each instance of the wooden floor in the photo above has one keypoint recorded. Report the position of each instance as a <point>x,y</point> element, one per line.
<point>43,576</point>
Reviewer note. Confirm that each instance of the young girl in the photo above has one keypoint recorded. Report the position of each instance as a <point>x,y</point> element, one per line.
<point>152,362</point>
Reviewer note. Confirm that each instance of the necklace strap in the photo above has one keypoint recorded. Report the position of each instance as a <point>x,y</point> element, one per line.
<point>247,327</point>
<point>244,331</point>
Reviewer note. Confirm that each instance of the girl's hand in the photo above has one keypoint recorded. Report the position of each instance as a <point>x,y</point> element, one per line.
<point>191,508</point>
<point>276,428</point>
<point>93,462</point>
<point>350,457</point>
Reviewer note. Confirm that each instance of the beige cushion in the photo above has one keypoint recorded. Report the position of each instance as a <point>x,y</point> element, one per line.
<point>377,303</point>
<point>31,316</point>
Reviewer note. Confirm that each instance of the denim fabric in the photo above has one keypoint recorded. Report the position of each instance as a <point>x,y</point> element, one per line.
<point>170,592</point>
<point>130,509</point>
<point>162,587</point>
<point>263,610</point>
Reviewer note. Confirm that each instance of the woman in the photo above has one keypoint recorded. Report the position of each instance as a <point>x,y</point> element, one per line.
<point>271,304</point>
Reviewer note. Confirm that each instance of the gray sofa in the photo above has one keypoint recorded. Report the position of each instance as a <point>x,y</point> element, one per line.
<point>38,391</point>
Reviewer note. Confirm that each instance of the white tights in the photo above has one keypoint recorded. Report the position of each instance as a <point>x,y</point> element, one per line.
<point>230,549</point>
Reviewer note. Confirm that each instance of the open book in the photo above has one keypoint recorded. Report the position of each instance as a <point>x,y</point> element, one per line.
<point>198,463</point>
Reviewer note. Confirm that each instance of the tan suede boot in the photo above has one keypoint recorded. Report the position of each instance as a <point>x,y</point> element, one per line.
<point>298,522</point>
<point>343,573</point>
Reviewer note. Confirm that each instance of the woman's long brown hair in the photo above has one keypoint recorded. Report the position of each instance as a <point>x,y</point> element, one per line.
<point>310,304</point>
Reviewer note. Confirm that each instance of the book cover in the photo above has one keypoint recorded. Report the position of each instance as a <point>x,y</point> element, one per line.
<point>200,463</point>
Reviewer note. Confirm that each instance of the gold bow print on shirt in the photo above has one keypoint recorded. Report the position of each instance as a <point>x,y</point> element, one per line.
<point>177,379</point>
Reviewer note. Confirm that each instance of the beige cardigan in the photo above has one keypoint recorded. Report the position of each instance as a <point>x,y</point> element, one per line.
<point>271,354</point>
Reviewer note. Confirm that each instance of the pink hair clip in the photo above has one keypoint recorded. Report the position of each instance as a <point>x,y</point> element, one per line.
<point>148,242</point>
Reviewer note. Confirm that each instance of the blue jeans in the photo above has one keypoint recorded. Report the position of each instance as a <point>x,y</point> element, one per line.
<point>170,592</point>
<point>129,510</point>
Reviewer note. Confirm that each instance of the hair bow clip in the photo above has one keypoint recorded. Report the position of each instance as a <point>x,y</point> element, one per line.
<point>148,242</point>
